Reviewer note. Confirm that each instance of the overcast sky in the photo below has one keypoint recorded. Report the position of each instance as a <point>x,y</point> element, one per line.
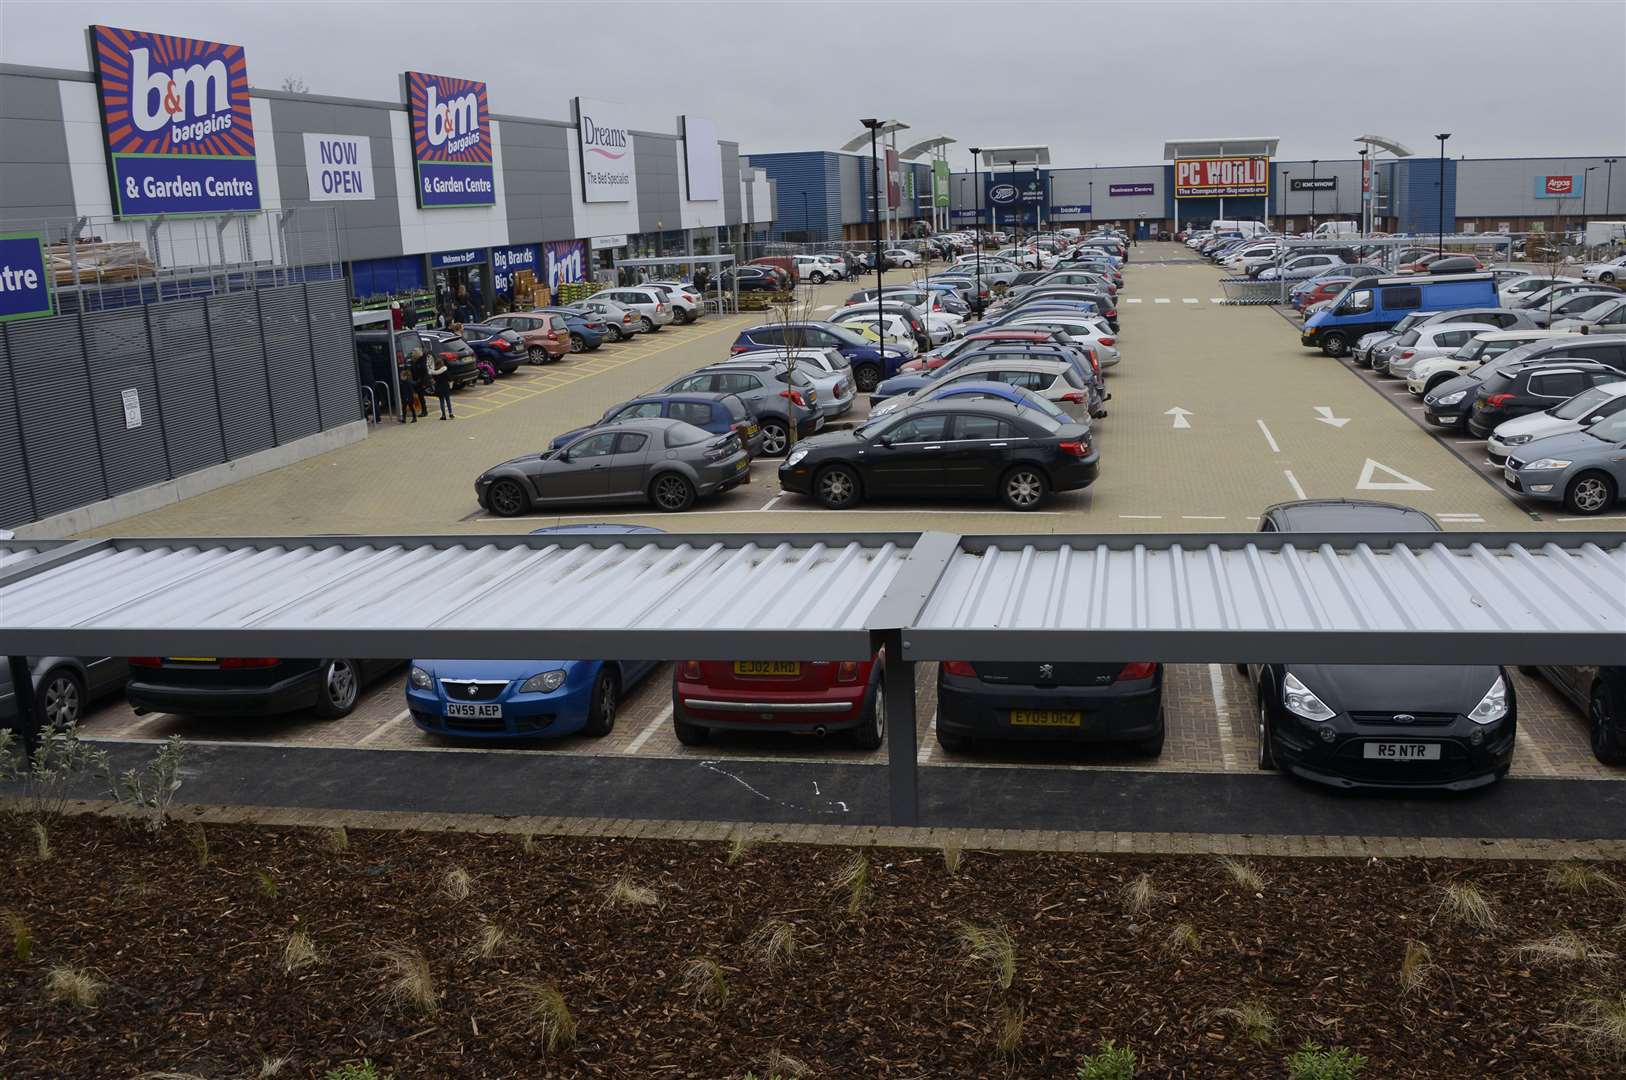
<point>1100,83</point>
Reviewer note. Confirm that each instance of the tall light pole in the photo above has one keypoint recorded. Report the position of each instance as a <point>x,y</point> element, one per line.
<point>1584,173</point>
<point>1020,217</point>
<point>1092,203</point>
<point>1287,185</point>
<point>875,170</point>
<point>1608,183</point>
<point>1442,137</point>
<point>976,195</point>
<point>1366,183</point>
<point>1313,163</point>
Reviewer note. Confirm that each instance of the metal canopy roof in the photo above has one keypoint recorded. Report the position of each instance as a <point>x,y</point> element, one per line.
<point>937,142</point>
<point>1022,155</point>
<point>1242,145</point>
<point>1417,598</point>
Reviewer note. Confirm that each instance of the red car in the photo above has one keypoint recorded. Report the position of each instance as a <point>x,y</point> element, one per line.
<point>808,697</point>
<point>1324,291</point>
<point>1421,266</point>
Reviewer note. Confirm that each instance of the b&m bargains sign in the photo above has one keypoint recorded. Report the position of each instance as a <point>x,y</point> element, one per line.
<point>1217,177</point>
<point>451,141</point>
<point>176,118</point>
<point>25,279</point>
<point>605,143</point>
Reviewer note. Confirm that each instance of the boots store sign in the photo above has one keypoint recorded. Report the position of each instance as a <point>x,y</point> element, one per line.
<point>451,141</point>
<point>177,124</point>
<point>605,143</point>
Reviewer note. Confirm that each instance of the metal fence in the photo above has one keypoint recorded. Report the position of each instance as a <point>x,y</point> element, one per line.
<point>103,263</point>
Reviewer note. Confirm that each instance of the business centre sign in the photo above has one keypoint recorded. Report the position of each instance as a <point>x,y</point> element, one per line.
<point>605,142</point>
<point>451,141</point>
<point>1220,177</point>
<point>176,122</point>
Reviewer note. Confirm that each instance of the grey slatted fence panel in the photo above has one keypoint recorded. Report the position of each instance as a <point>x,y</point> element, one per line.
<point>186,383</point>
<point>288,356</point>
<point>53,404</point>
<point>239,356</point>
<point>121,359</point>
<point>327,306</point>
<point>16,503</point>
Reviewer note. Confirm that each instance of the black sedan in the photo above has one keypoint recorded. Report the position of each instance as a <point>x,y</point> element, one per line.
<point>963,448</point>
<point>249,686</point>
<point>1399,726</point>
<point>462,366</point>
<point>1044,702</point>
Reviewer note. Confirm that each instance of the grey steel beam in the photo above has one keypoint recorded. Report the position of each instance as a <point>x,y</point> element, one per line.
<point>903,783</point>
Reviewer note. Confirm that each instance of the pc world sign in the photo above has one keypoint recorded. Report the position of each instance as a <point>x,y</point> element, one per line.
<point>176,123</point>
<point>1207,178</point>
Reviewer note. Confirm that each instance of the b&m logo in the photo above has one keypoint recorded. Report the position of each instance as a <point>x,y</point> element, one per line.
<point>607,142</point>
<point>454,124</point>
<point>173,95</point>
<point>450,118</point>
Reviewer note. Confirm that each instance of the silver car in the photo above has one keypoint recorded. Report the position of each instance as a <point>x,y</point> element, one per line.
<point>649,304</point>
<point>1421,343</point>
<point>777,398</point>
<point>1581,411</point>
<point>619,320</point>
<point>668,463</point>
<point>830,372</point>
<point>1608,316</point>
<point>687,303</point>
<point>1585,470</point>
<point>64,685</point>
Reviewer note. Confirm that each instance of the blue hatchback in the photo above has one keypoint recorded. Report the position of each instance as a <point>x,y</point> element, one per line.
<point>870,363</point>
<point>524,699</point>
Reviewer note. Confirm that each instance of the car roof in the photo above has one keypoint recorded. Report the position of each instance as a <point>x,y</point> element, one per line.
<point>1039,363</point>
<point>679,395</point>
<point>1009,335</point>
<point>1414,279</point>
<point>596,527</point>
<point>1530,334</point>
<point>1341,515</point>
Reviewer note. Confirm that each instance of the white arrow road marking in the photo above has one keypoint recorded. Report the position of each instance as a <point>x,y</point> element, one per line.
<point>1327,417</point>
<point>1401,482</point>
<point>1269,438</point>
<point>1179,415</point>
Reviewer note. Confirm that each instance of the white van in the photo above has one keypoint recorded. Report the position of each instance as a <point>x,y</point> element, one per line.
<point>1336,230</point>
<point>1246,228</point>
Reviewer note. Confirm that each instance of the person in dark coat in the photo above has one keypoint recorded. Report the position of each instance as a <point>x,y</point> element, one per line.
<point>442,375</point>
<point>420,379</point>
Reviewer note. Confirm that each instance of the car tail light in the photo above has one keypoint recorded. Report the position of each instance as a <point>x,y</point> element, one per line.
<point>499,344</point>
<point>961,668</point>
<point>1496,401</point>
<point>448,355</point>
<point>660,307</point>
<point>145,661</point>
<point>627,318</point>
<point>1112,313</point>
<point>847,671</point>
<point>690,670</point>
<point>1074,397</point>
<point>688,298</point>
<point>1142,670</point>
<point>1109,341</point>
<point>1078,448</point>
<point>795,397</point>
<point>236,662</point>
<point>735,350</point>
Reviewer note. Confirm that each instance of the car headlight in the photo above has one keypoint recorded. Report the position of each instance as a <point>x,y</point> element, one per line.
<point>543,682</point>
<point>1550,463</point>
<point>1452,399</point>
<point>1493,706</point>
<point>1301,702</point>
<point>1514,440</point>
<point>421,679</point>
<point>796,456</point>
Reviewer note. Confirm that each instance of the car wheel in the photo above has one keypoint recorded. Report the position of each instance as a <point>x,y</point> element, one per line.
<point>672,492</point>
<point>775,438</point>
<point>955,744</point>
<point>577,344</point>
<point>871,731</point>
<point>602,708</point>
<point>341,686</point>
<point>837,487</point>
<point>1242,670</point>
<point>1590,493</point>
<point>1604,716</point>
<point>536,354</point>
<point>866,377</point>
<point>615,333</point>
<point>816,277</point>
<point>1436,382</point>
<point>61,697</point>
<point>1023,488</point>
<point>1153,746</point>
<point>1267,752</point>
<point>507,499</point>
<point>689,734</point>
<point>1607,278</point>
<point>1335,344</point>
<point>649,324</point>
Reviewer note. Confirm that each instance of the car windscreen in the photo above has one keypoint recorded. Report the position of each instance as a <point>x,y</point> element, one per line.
<point>1581,404</point>
<point>1408,339</point>
<point>843,335</point>
<point>1047,424</point>
<point>1610,429</point>
<point>684,434</point>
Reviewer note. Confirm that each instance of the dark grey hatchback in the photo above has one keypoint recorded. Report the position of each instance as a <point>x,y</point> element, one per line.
<point>1400,726</point>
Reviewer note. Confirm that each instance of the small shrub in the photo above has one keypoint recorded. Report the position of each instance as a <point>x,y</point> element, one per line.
<point>952,856</point>
<point>42,841</point>
<point>1140,894</point>
<point>151,791</point>
<point>544,1006</point>
<point>365,1071</point>
<point>853,879</point>
<point>299,951</point>
<point>490,942</point>
<point>780,1066</point>
<point>740,844</point>
<point>1008,1025</point>
<point>264,883</point>
<point>457,884</point>
<point>1415,969</point>
<point>1579,877</point>
<point>1253,1019</point>
<point>992,946</point>
<point>774,944</point>
<point>1564,947</point>
<point>1311,1062</point>
<point>1243,873</point>
<point>624,892</point>
<point>22,938</point>
<point>703,977</point>
<point>333,838</point>
<point>1108,1063</point>
<point>1182,938</point>
<point>1462,902</point>
<point>1600,1022</point>
<point>74,986</point>
<point>60,759</point>
<point>527,842</point>
<point>408,980</point>
<point>200,843</point>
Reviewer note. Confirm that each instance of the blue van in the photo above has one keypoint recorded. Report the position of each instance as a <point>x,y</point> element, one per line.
<point>1372,304</point>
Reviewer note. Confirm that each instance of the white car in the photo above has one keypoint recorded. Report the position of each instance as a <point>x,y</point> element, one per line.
<point>1056,381</point>
<point>1095,334</point>
<point>837,268</point>
<point>1483,347</point>
<point>1427,341</point>
<point>901,257</point>
<point>1521,287</point>
<point>1606,272</point>
<point>811,268</point>
<point>687,303</point>
<point>1578,413</point>
<point>888,326</point>
<point>830,372</point>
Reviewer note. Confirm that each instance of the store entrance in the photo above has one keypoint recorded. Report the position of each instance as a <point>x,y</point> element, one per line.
<point>460,294</point>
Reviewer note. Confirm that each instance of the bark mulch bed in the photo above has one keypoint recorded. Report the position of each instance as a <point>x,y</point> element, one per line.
<point>191,953</point>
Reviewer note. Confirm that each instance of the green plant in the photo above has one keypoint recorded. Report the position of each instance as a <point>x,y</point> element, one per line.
<point>1253,1019</point>
<point>1243,873</point>
<point>364,1071</point>
<point>544,1006</point>
<point>150,792</point>
<point>1579,877</point>
<point>60,759</point>
<point>992,946</point>
<point>1311,1062</point>
<point>1463,902</point>
<point>1008,1025</point>
<point>199,841</point>
<point>1182,938</point>
<point>740,843</point>
<point>74,986</point>
<point>22,938</point>
<point>853,878</point>
<point>952,857</point>
<point>1109,1062</point>
<point>704,977</point>
<point>264,883</point>
<point>299,951</point>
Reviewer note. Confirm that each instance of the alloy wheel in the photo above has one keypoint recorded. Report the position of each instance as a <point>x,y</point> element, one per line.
<point>536,354</point>
<point>1024,489</point>
<point>1590,494</point>
<point>342,685</point>
<point>836,488</point>
<point>607,703</point>
<point>62,700</point>
<point>774,440</point>
<point>878,721</point>
<point>577,344</point>
<point>506,498</point>
<point>672,492</point>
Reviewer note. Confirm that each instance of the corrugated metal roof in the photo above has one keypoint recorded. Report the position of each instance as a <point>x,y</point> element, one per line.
<point>1281,597</point>
<point>575,596</point>
<point>12,554</point>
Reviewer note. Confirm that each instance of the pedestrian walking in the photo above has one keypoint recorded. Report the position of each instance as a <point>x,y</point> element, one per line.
<point>420,380</point>
<point>395,315</point>
<point>443,385</point>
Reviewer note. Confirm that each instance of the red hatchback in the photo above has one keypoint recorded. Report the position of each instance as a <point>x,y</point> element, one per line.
<point>807,697</point>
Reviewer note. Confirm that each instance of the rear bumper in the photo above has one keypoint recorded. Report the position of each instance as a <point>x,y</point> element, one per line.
<point>288,695</point>
<point>973,709</point>
<point>804,713</point>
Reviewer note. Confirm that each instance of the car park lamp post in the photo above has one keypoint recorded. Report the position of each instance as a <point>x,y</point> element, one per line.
<point>1313,163</point>
<point>976,195</point>
<point>1608,183</point>
<point>1287,185</point>
<point>1366,229</point>
<point>1442,137</point>
<point>1020,217</point>
<point>875,177</point>
<point>1584,183</point>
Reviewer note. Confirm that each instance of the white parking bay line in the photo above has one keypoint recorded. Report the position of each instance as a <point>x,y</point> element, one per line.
<point>928,744</point>
<point>1216,299</point>
<point>776,498</point>
<point>378,732</point>
<point>1141,517</point>
<point>1131,299</point>
<point>1528,745</point>
<point>650,728</point>
<point>1294,481</point>
<point>1161,300</point>
<point>1269,438</point>
<point>1202,517</point>
<point>1189,300</point>
<point>1222,717</point>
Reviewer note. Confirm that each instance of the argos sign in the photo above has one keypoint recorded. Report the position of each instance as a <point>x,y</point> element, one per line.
<point>176,119</point>
<point>605,143</point>
<point>1559,187</point>
<point>451,141</point>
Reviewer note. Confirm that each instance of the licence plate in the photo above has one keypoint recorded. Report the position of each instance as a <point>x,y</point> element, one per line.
<point>473,711</point>
<point>194,659</point>
<point>751,431</point>
<point>1046,718</point>
<point>767,667</point>
<point>1401,751</point>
